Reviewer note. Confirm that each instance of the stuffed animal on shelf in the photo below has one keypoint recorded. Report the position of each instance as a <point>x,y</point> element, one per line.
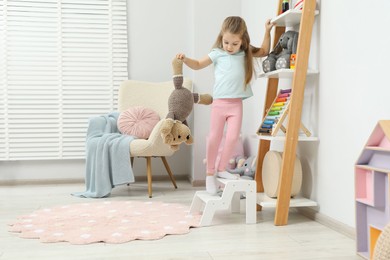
<point>279,58</point>
<point>174,132</point>
<point>180,105</point>
<point>245,168</point>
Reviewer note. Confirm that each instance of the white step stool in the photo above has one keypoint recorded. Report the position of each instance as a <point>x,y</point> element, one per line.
<point>230,198</point>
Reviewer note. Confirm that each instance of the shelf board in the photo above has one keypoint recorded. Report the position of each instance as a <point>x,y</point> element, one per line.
<point>379,227</point>
<point>289,18</point>
<point>365,201</point>
<point>298,201</point>
<point>283,138</point>
<point>368,167</point>
<point>377,148</point>
<point>364,254</point>
<point>284,73</point>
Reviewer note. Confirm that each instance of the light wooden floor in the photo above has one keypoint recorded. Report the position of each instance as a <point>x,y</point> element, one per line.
<point>228,238</point>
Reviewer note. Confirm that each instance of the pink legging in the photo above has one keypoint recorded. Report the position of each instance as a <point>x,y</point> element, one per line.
<point>229,111</point>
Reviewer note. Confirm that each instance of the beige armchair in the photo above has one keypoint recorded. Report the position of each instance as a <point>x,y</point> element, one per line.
<point>154,96</point>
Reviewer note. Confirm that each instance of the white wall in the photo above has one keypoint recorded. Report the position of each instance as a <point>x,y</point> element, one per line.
<point>157,30</point>
<point>342,105</point>
<point>256,13</point>
<point>353,95</point>
<point>190,27</point>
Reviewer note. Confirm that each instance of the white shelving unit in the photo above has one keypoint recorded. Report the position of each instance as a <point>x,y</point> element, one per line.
<point>289,18</point>
<point>298,201</point>
<point>305,19</point>
<point>282,138</point>
<point>284,73</point>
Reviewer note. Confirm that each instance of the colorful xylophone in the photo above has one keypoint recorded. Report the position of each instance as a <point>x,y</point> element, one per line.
<point>276,113</point>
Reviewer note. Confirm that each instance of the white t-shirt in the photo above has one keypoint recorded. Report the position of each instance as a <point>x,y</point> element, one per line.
<point>229,73</point>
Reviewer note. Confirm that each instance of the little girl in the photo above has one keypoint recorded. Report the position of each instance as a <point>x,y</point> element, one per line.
<point>232,56</point>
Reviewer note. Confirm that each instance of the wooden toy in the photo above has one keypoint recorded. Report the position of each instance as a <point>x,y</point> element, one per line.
<point>277,113</point>
<point>272,165</point>
<point>372,185</point>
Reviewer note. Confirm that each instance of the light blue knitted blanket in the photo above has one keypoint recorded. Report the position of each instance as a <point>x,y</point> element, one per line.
<point>107,157</point>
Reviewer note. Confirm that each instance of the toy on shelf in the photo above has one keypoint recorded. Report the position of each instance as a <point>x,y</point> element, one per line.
<point>285,6</point>
<point>299,5</point>
<point>277,113</point>
<point>272,165</point>
<point>279,58</point>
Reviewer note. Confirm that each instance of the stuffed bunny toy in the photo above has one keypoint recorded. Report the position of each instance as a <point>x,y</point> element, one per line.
<point>279,58</point>
<point>247,170</point>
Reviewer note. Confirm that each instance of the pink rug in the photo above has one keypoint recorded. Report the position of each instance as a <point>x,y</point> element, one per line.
<point>108,222</point>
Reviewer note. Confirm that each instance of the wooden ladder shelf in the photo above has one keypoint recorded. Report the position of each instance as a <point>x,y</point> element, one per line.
<point>294,112</point>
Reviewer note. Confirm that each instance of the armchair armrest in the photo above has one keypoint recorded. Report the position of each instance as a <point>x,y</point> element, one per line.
<point>153,146</point>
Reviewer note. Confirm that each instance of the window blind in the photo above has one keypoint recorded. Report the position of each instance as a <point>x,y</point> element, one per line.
<point>61,63</point>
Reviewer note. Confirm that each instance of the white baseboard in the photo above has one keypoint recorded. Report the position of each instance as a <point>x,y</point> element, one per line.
<point>328,222</point>
<point>17,182</point>
<point>198,183</point>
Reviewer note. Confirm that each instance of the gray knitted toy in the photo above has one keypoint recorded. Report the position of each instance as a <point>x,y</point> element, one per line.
<point>180,104</point>
<point>181,101</point>
<point>245,169</point>
<point>279,58</point>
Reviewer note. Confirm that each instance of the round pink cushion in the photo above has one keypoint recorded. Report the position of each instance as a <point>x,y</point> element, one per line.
<point>138,121</point>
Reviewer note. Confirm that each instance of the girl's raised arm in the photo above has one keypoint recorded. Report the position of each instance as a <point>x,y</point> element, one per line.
<point>265,46</point>
<point>195,64</point>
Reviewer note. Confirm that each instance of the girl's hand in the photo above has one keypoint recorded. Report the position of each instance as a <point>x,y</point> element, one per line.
<point>180,56</point>
<point>268,25</point>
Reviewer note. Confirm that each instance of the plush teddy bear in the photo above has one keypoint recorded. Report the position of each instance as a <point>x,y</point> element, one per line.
<point>181,101</point>
<point>175,132</point>
<point>180,105</point>
<point>245,168</point>
<point>279,58</point>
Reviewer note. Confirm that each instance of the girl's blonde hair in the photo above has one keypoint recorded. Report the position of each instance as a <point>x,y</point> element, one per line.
<point>236,25</point>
